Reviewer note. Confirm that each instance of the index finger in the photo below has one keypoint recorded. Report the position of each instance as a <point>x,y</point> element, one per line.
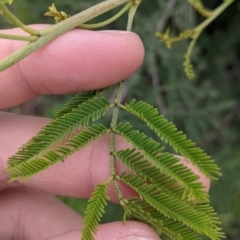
<point>79,60</point>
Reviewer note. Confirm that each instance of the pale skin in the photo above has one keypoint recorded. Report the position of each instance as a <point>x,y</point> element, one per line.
<point>78,61</point>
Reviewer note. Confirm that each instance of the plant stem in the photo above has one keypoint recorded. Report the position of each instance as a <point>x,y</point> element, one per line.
<point>13,19</point>
<point>131,14</point>
<point>110,20</point>
<point>214,15</point>
<point>198,30</point>
<point>54,31</point>
<point>19,38</point>
<point>117,102</point>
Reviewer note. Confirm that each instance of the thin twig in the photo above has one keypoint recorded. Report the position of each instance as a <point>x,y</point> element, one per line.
<point>18,37</point>
<point>13,19</point>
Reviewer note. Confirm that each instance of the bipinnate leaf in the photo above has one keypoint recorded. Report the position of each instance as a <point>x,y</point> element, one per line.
<point>169,196</point>
<point>29,168</point>
<point>95,211</point>
<point>163,162</point>
<point>175,209</point>
<point>60,129</point>
<point>168,132</point>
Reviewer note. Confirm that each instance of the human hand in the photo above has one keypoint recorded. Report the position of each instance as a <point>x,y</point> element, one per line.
<point>77,61</point>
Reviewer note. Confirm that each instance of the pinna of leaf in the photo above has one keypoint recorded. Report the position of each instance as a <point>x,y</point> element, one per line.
<point>169,196</point>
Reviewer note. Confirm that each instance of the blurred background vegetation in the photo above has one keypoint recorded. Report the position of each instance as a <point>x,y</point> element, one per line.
<point>207,108</point>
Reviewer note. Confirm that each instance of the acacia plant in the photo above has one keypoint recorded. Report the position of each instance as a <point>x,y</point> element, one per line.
<point>169,196</point>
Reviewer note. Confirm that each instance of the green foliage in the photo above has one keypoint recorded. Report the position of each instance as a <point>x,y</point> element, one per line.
<point>203,222</point>
<point>179,181</point>
<point>188,104</point>
<point>95,210</point>
<point>61,128</point>
<point>169,133</point>
<point>30,167</point>
<point>163,162</point>
<point>169,187</point>
<point>175,229</point>
<point>76,101</point>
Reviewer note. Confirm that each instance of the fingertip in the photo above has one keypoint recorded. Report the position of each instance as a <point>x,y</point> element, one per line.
<point>79,60</point>
<point>131,230</point>
<point>83,60</point>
